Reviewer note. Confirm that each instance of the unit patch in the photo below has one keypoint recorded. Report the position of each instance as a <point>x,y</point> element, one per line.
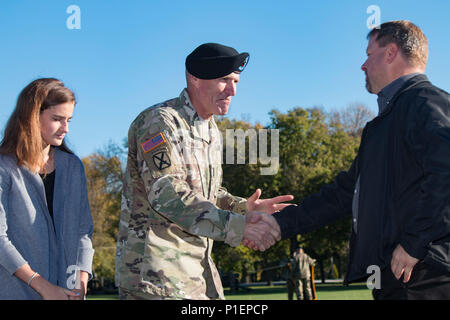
<point>161,160</point>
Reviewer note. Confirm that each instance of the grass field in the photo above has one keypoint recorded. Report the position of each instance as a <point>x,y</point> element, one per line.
<point>327,291</point>
<point>324,292</point>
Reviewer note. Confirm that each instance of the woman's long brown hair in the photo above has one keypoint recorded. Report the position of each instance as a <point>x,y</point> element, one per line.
<point>22,137</point>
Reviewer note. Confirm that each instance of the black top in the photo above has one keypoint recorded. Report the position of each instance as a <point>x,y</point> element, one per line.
<point>49,183</point>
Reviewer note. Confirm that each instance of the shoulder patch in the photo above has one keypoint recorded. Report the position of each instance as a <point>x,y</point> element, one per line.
<point>153,142</point>
<point>161,160</point>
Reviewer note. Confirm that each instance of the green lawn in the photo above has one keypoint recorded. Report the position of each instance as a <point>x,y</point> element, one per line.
<point>324,292</point>
<point>328,291</point>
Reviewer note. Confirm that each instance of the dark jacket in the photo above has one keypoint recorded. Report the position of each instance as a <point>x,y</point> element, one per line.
<point>404,167</point>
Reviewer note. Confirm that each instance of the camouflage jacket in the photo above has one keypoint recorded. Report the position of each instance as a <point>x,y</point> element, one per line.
<point>302,263</point>
<point>173,205</point>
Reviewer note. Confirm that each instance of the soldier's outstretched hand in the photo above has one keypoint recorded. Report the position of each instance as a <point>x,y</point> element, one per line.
<point>271,205</point>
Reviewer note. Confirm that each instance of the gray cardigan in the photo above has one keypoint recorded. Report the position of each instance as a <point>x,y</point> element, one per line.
<point>27,233</point>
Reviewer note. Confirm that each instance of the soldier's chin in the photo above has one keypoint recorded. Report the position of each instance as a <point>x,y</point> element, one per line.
<point>223,112</point>
<point>222,109</point>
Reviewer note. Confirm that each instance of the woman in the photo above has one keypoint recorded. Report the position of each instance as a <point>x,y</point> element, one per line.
<point>45,221</point>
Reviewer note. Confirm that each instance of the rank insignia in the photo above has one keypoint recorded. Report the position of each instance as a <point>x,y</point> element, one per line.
<point>161,160</point>
<point>153,142</point>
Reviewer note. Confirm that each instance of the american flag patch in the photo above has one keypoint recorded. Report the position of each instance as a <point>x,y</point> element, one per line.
<point>153,142</point>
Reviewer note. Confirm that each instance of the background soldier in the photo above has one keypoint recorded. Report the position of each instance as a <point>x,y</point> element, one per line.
<point>300,275</point>
<point>173,205</point>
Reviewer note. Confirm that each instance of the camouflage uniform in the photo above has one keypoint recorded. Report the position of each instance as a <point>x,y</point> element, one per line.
<point>169,216</point>
<point>300,280</point>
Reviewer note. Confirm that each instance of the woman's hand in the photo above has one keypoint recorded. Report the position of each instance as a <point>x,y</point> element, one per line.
<point>52,292</point>
<point>82,287</point>
<point>46,290</point>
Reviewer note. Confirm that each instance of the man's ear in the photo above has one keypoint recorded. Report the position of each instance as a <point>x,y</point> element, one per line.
<point>192,80</point>
<point>392,51</point>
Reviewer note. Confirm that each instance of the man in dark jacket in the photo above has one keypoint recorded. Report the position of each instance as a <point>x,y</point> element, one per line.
<point>398,187</point>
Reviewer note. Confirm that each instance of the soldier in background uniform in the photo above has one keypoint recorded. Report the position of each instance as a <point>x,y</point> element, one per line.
<point>300,275</point>
<point>173,205</point>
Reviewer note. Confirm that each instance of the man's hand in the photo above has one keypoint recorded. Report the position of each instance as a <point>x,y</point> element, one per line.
<point>254,203</point>
<point>402,263</point>
<point>261,231</point>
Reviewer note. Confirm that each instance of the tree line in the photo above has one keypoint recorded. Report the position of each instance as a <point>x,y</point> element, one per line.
<point>314,146</point>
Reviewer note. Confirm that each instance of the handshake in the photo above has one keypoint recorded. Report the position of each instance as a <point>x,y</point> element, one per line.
<point>261,229</point>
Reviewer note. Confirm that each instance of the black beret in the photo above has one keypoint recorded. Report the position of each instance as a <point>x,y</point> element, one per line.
<point>213,60</point>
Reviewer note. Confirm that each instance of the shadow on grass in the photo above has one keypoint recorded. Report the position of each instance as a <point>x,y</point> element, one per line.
<point>337,287</point>
<point>256,290</point>
<point>280,289</point>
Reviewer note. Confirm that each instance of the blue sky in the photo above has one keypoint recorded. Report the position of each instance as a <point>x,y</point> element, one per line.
<point>129,55</point>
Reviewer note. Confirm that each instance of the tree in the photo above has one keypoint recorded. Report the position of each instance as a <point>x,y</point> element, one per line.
<point>242,180</point>
<point>104,172</point>
<point>351,119</point>
<point>312,150</point>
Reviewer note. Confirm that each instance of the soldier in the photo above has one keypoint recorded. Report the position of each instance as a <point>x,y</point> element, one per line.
<point>173,205</point>
<point>300,275</point>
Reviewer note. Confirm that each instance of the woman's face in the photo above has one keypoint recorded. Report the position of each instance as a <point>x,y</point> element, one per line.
<point>55,123</point>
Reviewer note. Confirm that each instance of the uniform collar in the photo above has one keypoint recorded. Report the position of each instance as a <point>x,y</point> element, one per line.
<point>200,126</point>
<point>188,107</point>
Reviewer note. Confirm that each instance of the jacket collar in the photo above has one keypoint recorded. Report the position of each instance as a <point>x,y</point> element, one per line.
<point>387,93</point>
<point>410,83</point>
